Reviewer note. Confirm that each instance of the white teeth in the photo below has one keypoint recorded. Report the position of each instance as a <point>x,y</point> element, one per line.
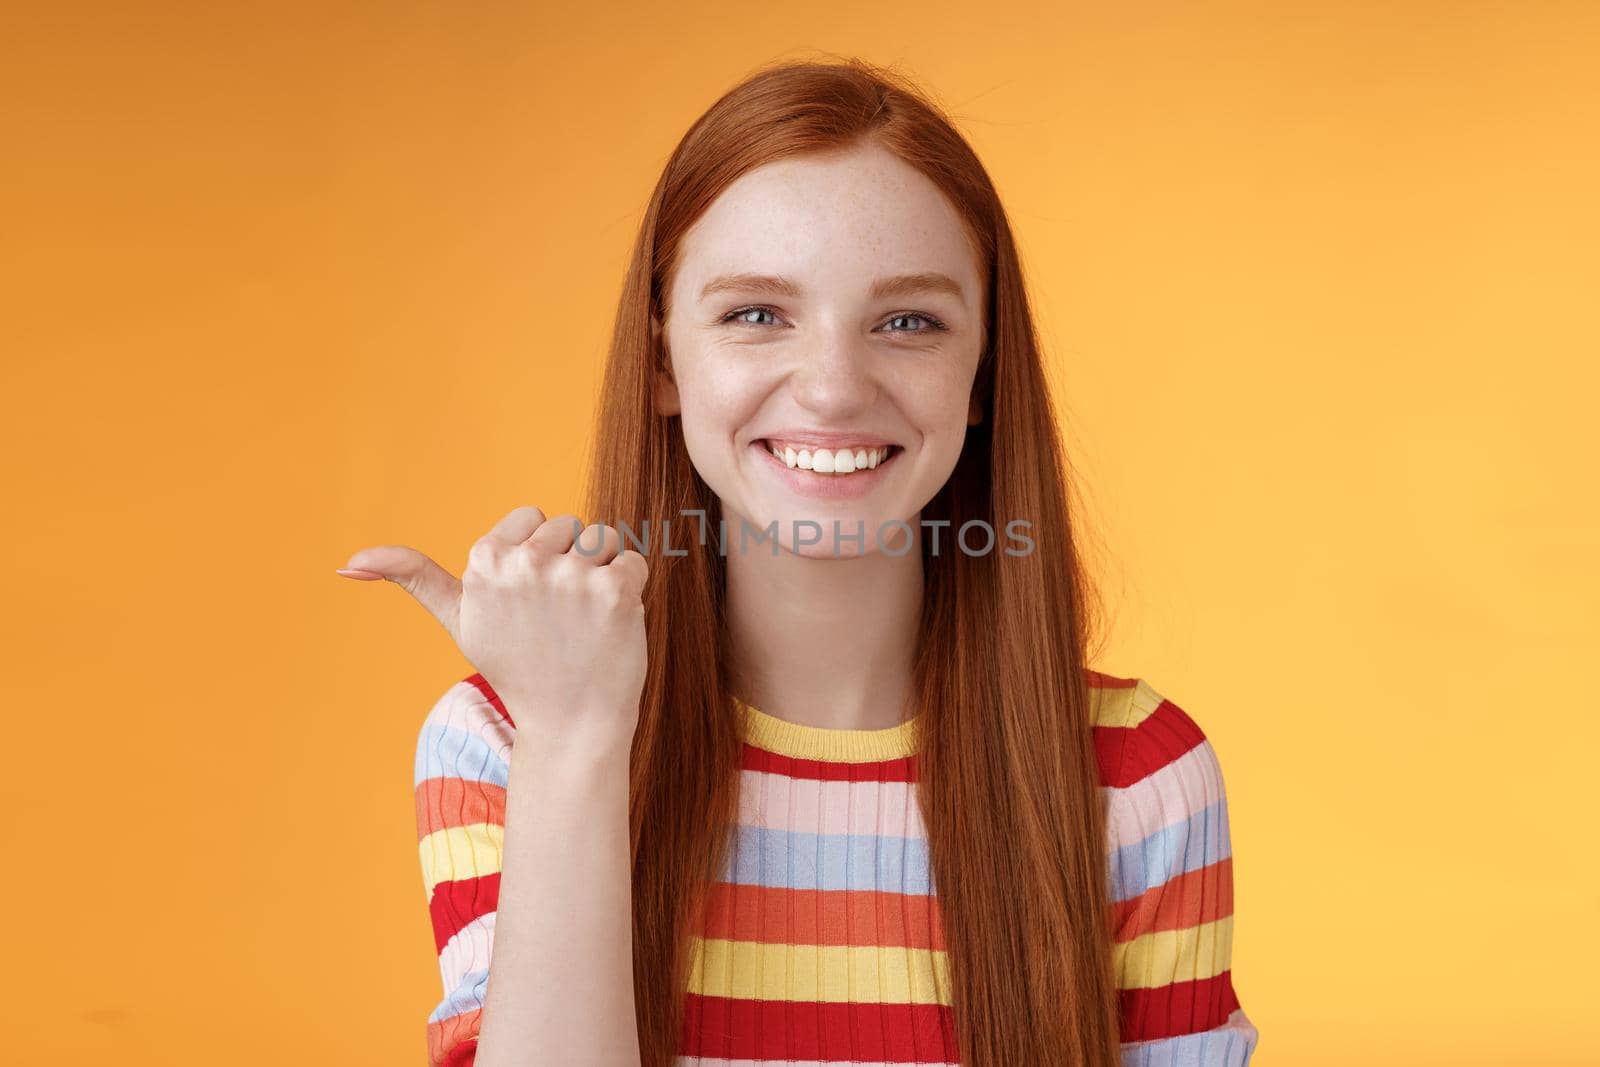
<point>828,460</point>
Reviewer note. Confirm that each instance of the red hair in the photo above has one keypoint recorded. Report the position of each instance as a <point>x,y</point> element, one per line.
<point>1008,782</point>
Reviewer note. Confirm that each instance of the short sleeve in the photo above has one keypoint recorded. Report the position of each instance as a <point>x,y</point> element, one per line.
<point>462,767</point>
<point>1172,890</point>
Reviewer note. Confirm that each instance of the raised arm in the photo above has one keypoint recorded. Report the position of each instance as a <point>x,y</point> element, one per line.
<point>522,791</point>
<point>563,911</point>
<point>462,768</point>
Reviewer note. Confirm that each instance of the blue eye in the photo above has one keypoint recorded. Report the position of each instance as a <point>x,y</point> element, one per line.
<point>745,311</point>
<point>932,323</point>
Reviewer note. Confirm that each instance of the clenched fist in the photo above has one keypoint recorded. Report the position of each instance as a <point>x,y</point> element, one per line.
<point>553,618</point>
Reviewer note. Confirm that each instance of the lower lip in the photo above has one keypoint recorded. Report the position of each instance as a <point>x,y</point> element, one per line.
<point>828,486</point>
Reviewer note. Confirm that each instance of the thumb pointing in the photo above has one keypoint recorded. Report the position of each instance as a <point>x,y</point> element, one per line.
<point>435,588</point>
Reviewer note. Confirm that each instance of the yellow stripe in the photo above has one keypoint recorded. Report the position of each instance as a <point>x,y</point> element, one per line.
<point>1126,707</point>
<point>460,852</point>
<point>1164,956</point>
<point>826,743</point>
<point>827,973</point>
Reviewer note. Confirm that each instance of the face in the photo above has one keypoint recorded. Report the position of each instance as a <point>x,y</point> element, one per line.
<point>828,309</point>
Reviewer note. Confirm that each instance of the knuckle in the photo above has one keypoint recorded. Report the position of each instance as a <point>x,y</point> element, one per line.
<point>482,551</point>
<point>525,565</point>
<point>562,572</point>
<point>523,513</point>
<point>566,519</point>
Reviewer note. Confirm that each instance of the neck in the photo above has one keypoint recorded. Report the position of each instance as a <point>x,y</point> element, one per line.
<point>825,642</point>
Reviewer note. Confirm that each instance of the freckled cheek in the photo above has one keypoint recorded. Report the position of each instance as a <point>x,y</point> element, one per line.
<point>936,405</point>
<point>736,400</point>
<point>720,391</point>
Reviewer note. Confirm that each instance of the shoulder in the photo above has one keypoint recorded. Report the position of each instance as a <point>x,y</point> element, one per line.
<point>1138,732</point>
<point>470,703</point>
<point>1166,807</point>
<point>466,734</point>
<point>1171,871</point>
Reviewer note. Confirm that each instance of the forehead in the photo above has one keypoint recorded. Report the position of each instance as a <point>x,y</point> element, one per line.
<point>847,216</point>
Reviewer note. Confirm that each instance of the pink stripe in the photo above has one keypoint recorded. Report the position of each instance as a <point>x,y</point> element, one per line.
<point>464,708</point>
<point>809,805</point>
<point>467,951</point>
<point>1171,795</point>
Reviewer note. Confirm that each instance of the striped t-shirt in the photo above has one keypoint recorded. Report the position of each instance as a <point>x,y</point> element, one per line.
<point>821,942</point>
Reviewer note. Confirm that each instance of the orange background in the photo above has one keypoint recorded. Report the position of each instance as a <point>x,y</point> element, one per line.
<point>282,281</point>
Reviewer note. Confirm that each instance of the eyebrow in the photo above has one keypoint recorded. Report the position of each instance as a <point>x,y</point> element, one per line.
<point>927,281</point>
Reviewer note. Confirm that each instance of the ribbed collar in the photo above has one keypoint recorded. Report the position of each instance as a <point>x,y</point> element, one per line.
<point>823,743</point>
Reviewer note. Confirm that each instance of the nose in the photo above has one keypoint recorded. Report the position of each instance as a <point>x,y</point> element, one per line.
<point>835,379</point>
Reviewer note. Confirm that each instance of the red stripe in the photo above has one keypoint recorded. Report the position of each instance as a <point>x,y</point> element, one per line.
<point>1127,754</point>
<point>780,916</point>
<point>903,769</point>
<point>456,903</point>
<point>1177,1009</point>
<point>738,1028</point>
<point>1189,899</point>
<point>1111,745</point>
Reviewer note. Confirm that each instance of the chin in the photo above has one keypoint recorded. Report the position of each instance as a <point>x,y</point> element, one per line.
<point>809,524</point>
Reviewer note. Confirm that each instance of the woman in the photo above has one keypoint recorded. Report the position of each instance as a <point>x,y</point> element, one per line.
<point>828,779</point>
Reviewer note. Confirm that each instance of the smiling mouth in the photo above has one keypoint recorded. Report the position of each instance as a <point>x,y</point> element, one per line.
<point>836,462</point>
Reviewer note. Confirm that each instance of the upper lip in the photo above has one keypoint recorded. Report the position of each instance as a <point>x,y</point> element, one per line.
<point>826,438</point>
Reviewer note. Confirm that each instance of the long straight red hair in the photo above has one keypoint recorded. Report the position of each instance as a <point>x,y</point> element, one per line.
<point>1008,779</point>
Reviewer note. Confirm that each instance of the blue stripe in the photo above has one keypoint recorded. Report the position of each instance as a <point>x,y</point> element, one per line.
<point>790,859</point>
<point>1177,849</point>
<point>445,752</point>
<point>1223,1047</point>
<point>468,994</point>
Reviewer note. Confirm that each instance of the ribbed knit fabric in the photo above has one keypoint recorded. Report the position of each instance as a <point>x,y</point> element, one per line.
<point>822,942</point>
